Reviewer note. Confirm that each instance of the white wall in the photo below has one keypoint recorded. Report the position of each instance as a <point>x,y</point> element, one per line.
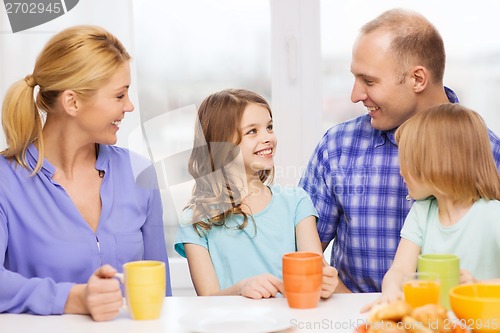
<point>18,51</point>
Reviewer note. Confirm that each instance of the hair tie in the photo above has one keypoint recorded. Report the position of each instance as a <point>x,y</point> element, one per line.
<point>30,81</point>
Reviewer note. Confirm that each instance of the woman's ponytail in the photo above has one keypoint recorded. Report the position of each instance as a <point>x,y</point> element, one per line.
<point>21,121</point>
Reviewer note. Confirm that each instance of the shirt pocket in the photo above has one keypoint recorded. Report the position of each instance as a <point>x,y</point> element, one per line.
<point>129,247</point>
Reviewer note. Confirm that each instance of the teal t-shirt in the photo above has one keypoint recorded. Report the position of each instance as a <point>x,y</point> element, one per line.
<point>239,254</point>
<point>475,238</point>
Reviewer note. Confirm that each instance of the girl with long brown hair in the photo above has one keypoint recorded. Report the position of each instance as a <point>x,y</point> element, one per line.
<point>237,225</point>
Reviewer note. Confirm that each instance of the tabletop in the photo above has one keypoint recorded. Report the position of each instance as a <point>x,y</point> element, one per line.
<point>340,313</point>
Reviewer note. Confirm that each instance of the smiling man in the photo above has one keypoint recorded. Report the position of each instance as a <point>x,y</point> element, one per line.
<point>353,177</point>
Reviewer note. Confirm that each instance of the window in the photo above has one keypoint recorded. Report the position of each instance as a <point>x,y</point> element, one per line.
<point>184,51</point>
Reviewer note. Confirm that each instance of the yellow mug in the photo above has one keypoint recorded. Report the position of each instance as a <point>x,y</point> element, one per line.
<point>145,285</point>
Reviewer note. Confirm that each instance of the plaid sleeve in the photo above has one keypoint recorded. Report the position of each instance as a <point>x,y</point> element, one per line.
<point>495,147</point>
<point>318,182</point>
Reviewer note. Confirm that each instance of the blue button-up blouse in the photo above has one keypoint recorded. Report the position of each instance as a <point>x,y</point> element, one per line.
<point>45,244</point>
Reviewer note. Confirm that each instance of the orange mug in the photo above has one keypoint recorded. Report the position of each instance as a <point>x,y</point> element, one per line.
<point>302,278</point>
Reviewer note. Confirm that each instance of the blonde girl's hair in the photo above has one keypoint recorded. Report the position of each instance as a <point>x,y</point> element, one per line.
<point>81,59</point>
<point>216,195</point>
<point>448,148</point>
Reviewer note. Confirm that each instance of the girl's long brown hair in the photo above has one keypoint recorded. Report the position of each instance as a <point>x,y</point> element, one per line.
<point>216,193</point>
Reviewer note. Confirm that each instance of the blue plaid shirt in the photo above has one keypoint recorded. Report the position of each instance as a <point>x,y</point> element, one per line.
<point>353,179</point>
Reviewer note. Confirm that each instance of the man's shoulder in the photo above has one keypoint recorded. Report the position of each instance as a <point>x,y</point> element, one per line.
<point>350,133</point>
<point>495,146</point>
<point>493,137</point>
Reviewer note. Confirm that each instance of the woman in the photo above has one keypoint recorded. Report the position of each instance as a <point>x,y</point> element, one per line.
<point>71,208</point>
<point>237,225</point>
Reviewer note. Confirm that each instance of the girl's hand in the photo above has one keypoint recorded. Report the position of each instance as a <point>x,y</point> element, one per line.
<point>261,286</point>
<point>466,277</point>
<point>386,297</point>
<point>330,281</point>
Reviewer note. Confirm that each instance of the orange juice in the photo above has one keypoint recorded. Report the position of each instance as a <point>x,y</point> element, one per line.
<point>421,292</point>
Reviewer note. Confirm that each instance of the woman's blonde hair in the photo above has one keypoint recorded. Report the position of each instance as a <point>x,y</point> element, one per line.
<point>216,195</point>
<point>81,59</point>
<point>448,147</point>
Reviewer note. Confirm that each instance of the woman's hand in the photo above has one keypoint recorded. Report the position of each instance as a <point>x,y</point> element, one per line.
<point>466,277</point>
<point>100,297</point>
<point>261,286</point>
<point>330,281</point>
<point>103,295</point>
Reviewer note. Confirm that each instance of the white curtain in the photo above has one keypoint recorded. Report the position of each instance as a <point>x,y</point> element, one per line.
<point>18,51</point>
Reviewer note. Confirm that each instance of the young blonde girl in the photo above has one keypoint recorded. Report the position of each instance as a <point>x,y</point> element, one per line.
<point>448,167</point>
<point>237,226</point>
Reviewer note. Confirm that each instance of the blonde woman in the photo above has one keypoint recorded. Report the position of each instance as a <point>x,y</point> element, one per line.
<point>71,210</point>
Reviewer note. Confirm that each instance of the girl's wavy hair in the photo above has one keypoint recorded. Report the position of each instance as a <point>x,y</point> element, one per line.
<point>216,194</point>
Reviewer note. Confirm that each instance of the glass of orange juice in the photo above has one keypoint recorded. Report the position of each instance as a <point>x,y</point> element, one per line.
<point>421,288</point>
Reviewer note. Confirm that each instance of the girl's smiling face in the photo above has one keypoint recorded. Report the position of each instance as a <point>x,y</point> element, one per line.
<point>258,141</point>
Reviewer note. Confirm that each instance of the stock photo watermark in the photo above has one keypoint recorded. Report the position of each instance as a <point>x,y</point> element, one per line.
<point>26,14</point>
<point>410,325</point>
<point>327,324</point>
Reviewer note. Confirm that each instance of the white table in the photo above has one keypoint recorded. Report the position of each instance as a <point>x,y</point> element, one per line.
<point>337,314</point>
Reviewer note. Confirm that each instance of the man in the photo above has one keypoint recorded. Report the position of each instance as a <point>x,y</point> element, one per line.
<point>353,176</point>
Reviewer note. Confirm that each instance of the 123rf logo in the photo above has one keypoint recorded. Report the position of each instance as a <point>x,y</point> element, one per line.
<point>25,14</point>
